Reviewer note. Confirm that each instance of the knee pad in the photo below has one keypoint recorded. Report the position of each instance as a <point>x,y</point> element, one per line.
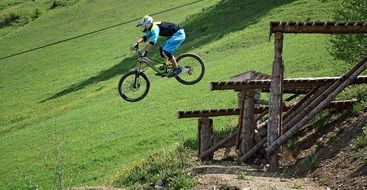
<point>165,53</point>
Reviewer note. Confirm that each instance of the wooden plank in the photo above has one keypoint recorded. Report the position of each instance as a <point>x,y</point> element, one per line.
<point>215,112</point>
<point>300,106</point>
<point>319,27</point>
<point>343,104</point>
<point>305,84</point>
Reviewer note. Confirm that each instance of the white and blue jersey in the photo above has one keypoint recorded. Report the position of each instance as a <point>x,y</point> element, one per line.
<point>175,36</point>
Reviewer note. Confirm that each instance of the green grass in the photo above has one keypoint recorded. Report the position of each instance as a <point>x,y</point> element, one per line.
<point>62,123</point>
<point>170,168</point>
<point>244,176</point>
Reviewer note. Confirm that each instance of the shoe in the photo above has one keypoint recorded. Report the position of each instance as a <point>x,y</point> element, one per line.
<point>176,71</point>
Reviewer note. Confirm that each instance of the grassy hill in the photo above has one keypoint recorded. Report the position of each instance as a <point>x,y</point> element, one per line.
<point>62,123</point>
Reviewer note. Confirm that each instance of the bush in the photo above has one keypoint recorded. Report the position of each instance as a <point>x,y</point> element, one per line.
<point>356,92</point>
<point>350,48</point>
<point>36,13</point>
<point>9,20</point>
<point>56,4</point>
<point>170,168</point>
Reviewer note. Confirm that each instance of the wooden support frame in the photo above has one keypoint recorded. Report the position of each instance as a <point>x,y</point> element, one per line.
<point>318,104</point>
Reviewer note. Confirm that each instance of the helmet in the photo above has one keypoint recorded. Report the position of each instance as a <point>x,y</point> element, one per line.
<point>146,22</point>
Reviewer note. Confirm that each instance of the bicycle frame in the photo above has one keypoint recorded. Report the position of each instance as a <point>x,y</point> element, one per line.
<point>149,62</point>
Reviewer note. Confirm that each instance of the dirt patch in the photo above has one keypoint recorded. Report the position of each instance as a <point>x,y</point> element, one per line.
<point>94,188</point>
<point>247,177</point>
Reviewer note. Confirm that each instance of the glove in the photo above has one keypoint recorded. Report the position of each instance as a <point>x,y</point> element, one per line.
<point>143,53</point>
<point>135,46</point>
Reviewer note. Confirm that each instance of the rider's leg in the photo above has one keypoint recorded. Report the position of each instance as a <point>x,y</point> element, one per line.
<point>169,57</point>
<point>173,61</point>
<point>170,47</point>
<point>176,69</point>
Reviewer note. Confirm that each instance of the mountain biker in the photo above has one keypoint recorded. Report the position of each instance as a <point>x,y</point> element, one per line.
<point>152,30</point>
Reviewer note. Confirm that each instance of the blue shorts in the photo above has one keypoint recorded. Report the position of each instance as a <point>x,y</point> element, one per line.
<point>174,41</point>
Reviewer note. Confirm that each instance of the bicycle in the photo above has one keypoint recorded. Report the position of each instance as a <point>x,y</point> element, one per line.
<point>134,85</point>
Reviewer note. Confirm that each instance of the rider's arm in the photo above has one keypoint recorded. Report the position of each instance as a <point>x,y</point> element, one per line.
<point>141,40</point>
<point>153,38</point>
<point>148,47</point>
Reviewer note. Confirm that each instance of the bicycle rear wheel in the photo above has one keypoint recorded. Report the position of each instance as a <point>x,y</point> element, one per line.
<point>133,86</point>
<point>192,68</point>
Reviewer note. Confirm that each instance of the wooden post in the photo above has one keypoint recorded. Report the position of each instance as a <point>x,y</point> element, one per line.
<point>205,129</point>
<point>276,100</point>
<point>241,97</point>
<point>247,124</point>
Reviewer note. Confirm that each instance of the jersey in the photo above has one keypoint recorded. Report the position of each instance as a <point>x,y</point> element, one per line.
<point>165,29</point>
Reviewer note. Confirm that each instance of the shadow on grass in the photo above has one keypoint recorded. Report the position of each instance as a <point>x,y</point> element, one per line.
<point>122,67</point>
<point>210,25</point>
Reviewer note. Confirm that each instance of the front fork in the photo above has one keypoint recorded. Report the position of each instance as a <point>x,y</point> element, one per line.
<point>136,83</point>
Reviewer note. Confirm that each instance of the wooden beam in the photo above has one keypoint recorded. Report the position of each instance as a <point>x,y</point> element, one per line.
<point>289,84</point>
<point>343,104</point>
<point>215,112</point>
<point>329,27</point>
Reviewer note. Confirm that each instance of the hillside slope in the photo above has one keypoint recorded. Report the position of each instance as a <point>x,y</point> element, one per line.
<point>62,122</point>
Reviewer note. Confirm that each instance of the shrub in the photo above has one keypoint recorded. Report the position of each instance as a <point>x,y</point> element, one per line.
<point>56,4</point>
<point>36,13</point>
<point>9,20</point>
<point>350,48</point>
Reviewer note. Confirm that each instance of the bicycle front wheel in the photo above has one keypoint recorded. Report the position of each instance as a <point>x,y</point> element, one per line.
<point>133,86</point>
<point>192,68</point>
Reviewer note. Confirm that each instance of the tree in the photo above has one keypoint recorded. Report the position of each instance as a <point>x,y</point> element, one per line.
<point>350,48</point>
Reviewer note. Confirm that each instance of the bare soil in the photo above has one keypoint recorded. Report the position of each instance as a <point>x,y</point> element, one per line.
<point>248,177</point>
